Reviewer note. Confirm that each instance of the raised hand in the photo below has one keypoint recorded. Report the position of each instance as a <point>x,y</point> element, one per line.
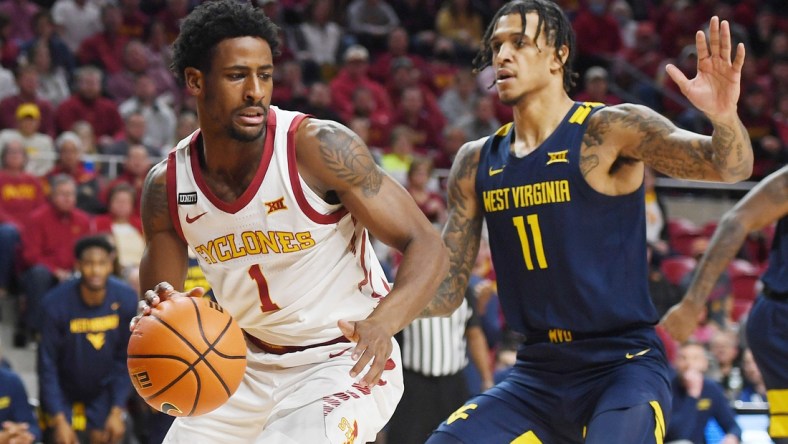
<point>161,292</point>
<point>716,87</point>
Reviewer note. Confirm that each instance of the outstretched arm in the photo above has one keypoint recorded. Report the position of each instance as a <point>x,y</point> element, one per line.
<point>333,159</point>
<point>462,232</point>
<point>644,135</point>
<point>761,206</point>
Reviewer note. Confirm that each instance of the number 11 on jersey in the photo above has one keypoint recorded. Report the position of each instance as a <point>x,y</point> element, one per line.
<point>256,273</point>
<point>532,222</point>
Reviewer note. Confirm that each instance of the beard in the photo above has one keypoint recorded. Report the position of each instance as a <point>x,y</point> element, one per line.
<point>245,136</point>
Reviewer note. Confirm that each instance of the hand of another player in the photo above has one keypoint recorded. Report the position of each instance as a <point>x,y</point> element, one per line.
<point>161,292</point>
<point>114,427</point>
<point>716,87</point>
<point>15,433</point>
<point>373,344</point>
<point>682,320</point>
<point>64,434</point>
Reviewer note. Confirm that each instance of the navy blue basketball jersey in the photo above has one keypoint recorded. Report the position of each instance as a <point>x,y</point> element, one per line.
<point>568,259</point>
<point>776,276</point>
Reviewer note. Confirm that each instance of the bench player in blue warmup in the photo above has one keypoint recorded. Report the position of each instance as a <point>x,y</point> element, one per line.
<point>767,334</point>
<point>561,190</point>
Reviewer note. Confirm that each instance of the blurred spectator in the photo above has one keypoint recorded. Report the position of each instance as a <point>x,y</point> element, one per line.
<point>39,146</point>
<point>160,119</point>
<point>27,82</point>
<point>134,134</point>
<point>361,126</point>
<point>697,399</point>
<point>135,168</point>
<point>159,50</point>
<point>656,215</point>
<point>757,117</point>
<point>622,12</point>
<point>482,122</point>
<point>460,22</point>
<point>171,16</point>
<point>87,104</point>
<point>121,85</point>
<point>134,21</point>
<point>19,424</point>
<point>122,222</point>
<point>76,20</point>
<point>646,57</point>
<point>753,389</point>
<point>20,13</point>
<point>60,54</point>
<point>371,21</point>
<point>396,161</point>
<point>20,195</point>
<point>664,294</point>
<point>427,126</point>
<point>7,84</point>
<point>780,119</point>
<point>82,373</point>
<point>52,79</point>
<point>86,134</point>
<point>105,48</point>
<point>417,18</point>
<point>457,101</point>
<point>380,121</point>
<point>186,125</point>
<point>70,161</point>
<point>47,248</point>
<point>352,76</point>
<point>318,102</point>
<point>442,66</point>
<point>681,22</point>
<point>453,138</point>
<point>596,87</point>
<point>291,91</point>
<point>727,371</point>
<point>397,46</point>
<point>318,40</point>
<point>763,33</point>
<point>597,35</point>
<point>405,75</point>
<point>684,114</point>
<point>9,48</point>
<point>430,203</point>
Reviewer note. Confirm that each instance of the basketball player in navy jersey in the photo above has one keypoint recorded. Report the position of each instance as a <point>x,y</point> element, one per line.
<point>278,208</point>
<point>767,334</point>
<point>561,190</point>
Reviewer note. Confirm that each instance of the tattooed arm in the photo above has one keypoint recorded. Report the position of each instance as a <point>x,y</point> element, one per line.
<point>763,205</point>
<point>462,232</point>
<point>165,258</point>
<point>333,160</point>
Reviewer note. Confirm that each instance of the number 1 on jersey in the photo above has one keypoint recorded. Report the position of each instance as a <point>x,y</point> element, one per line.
<point>536,234</point>
<point>256,273</point>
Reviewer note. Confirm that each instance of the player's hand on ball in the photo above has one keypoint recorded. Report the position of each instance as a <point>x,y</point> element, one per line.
<point>373,344</point>
<point>161,292</point>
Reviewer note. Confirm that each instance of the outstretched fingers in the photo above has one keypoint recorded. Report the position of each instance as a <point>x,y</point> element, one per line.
<point>725,41</point>
<point>738,62</point>
<point>714,37</point>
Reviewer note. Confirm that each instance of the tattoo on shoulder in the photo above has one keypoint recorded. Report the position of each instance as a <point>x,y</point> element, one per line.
<point>155,209</point>
<point>347,157</point>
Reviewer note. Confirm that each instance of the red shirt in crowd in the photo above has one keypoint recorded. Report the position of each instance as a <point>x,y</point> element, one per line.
<point>101,113</point>
<point>103,50</point>
<point>20,195</point>
<point>49,237</point>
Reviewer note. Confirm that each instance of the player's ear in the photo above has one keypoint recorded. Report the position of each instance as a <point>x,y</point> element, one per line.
<point>194,80</point>
<point>561,56</point>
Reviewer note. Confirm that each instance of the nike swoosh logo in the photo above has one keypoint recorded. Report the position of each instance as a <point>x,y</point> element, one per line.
<point>190,219</point>
<point>334,355</point>
<point>494,172</point>
<point>640,353</point>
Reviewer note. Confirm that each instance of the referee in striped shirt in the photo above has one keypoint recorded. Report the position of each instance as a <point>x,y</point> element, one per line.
<point>433,359</point>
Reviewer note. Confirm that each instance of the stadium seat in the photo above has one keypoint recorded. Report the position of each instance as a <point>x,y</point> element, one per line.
<point>681,234</point>
<point>709,228</point>
<point>740,308</point>
<point>676,267</point>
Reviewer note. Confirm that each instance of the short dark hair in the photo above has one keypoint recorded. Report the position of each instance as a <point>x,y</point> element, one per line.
<point>94,241</point>
<point>215,21</point>
<point>558,32</point>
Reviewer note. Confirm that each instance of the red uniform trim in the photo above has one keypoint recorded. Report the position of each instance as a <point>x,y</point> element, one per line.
<point>172,193</point>
<point>284,349</point>
<point>251,191</point>
<point>295,183</point>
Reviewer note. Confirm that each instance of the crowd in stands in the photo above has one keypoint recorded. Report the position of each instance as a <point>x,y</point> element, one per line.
<point>87,105</point>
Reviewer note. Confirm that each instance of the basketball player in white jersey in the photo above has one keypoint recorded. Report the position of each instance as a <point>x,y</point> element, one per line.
<point>276,206</point>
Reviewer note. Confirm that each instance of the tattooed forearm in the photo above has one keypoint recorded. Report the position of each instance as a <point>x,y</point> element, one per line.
<point>722,248</point>
<point>347,157</point>
<point>155,209</point>
<point>461,236</point>
<point>732,149</point>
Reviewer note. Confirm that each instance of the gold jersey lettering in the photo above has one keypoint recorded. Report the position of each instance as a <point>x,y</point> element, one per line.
<point>90,325</point>
<point>496,200</point>
<point>558,335</point>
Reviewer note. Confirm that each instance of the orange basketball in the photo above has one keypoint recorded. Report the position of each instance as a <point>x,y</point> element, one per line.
<point>187,357</point>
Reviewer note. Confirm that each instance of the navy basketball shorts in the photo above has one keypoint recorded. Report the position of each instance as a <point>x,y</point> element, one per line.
<point>767,337</point>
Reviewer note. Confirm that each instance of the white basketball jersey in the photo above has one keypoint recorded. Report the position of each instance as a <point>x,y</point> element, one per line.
<point>285,264</point>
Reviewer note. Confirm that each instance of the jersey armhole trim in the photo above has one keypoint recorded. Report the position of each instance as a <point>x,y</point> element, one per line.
<point>295,180</point>
<point>172,193</point>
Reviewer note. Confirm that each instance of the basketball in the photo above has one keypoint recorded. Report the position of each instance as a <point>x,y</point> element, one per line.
<point>187,358</point>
